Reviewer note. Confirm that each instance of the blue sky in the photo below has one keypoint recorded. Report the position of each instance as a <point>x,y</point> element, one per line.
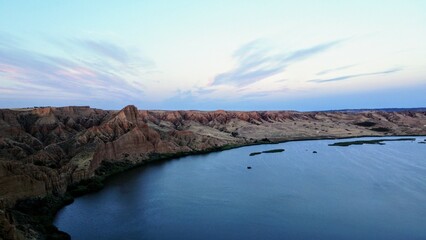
<point>236,55</point>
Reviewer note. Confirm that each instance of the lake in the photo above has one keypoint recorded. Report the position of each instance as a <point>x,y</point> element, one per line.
<point>353,192</point>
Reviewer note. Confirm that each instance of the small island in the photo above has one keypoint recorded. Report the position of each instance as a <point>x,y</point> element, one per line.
<point>255,153</point>
<point>274,151</point>
<point>268,151</point>
<point>375,141</point>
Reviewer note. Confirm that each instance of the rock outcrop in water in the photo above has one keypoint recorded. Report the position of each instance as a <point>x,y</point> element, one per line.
<point>44,152</point>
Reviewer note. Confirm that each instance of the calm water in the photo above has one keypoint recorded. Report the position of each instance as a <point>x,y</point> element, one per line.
<point>355,192</point>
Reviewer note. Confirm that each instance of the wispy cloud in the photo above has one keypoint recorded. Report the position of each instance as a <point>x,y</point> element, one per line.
<point>265,93</point>
<point>106,49</point>
<point>7,40</point>
<point>112,51</point>
<point>112,71</point>
<point>308,52</point>
<point>331,70</point>
<point>256,61</point>
<point>346,77</point>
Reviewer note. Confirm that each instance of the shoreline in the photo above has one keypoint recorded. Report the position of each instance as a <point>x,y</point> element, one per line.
<point>97,183</point>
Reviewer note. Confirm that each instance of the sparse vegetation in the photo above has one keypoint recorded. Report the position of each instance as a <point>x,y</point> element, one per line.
<point>85,186</point>
<point>40,213</point>
<point>380,129</point>
<point>365,124</point>
<point>110,168</point>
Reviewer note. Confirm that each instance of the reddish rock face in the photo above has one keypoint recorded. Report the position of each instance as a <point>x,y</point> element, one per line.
<point>18,181</point>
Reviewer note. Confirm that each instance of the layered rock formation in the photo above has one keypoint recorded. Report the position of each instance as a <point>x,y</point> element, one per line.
<point>43,151</point>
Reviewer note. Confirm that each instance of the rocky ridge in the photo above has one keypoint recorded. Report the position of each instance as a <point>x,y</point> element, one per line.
<point>46,152</point>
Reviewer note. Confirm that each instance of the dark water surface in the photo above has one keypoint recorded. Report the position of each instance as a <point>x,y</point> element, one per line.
<point>354,192</point>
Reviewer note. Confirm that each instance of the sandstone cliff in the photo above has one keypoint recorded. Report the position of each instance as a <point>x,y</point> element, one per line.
<point>43,151</point>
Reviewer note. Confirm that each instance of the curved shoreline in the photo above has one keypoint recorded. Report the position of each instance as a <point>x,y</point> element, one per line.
<point>68,198</point>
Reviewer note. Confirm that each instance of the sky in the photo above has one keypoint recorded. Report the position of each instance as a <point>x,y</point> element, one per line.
<point>207,55</point>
